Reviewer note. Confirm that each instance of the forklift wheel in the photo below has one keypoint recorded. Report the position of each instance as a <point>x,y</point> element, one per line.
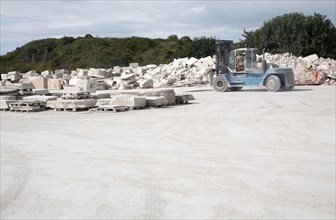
<point>273,83</point>
<point>220,84</point>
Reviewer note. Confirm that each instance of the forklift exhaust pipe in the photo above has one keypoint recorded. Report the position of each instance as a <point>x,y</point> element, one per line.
<point>263,63</point>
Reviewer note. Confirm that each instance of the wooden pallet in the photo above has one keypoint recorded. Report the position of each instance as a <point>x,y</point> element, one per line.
<point>114,108</point>
<point>78,95</point>
<point>71,109</point>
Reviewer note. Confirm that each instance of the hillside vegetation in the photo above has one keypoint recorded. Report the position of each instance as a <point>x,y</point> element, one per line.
<point>88,51</point>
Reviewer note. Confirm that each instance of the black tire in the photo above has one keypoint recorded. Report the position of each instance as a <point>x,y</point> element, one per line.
<point>236,88</point>
<point>220,84</point>
<point>273,83</point>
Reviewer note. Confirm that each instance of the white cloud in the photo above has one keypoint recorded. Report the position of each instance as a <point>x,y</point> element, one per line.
<point>198,9</point>
<point>23,21</point>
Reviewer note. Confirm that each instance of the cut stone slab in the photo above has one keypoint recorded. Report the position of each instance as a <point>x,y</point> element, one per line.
<point>159,101</point>
<point>42,98</point>
<point>127,100</point>
<point>8,92</point>
<point>169,94</point>
<point>41,92</point>
<point>73,105</point>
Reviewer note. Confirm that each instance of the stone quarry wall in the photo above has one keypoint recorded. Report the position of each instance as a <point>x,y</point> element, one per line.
<point>180,72</point>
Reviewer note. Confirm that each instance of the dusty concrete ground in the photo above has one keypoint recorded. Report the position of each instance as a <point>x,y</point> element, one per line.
<point>247,154</point>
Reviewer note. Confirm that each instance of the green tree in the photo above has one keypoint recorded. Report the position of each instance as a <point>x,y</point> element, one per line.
<point>296,33</point>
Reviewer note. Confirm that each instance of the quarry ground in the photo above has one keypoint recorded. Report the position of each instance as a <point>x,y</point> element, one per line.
<point>248,154</point>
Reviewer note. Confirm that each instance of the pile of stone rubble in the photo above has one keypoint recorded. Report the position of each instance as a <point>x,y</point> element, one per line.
<point>180,72</point>
<point>305,67</point>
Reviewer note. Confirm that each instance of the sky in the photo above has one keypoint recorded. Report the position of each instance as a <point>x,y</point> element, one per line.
<point>25,20</point>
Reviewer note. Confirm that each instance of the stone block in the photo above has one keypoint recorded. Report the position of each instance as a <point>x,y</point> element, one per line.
<point>3,76</point>
<point>155,71</point>
<point>69,88</point>
<point>55,83</point>
<point>128,100</point>
<point>82,72</point>
<point>191,61</point>
<point>42,98</point>
<point>146,83</point>
<point>47,73</point>
<point>208,62</point>
<point>8,92</point>
<point>169,94</point>
<point>38,82</point>
<point>41,92</point>
<point>151,66</point>
<point>32,73</point>
<point>105,95</point>
<point>6,100</point>
<point>73,105</point>
<point>97,73</point>
<point>13,76</point>
<point>127,76</point>
<point>73,81</point>
<point>158,101</point>
<point>87,85</point>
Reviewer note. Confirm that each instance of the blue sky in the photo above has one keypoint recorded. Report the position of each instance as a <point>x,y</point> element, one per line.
<point>25,20</point>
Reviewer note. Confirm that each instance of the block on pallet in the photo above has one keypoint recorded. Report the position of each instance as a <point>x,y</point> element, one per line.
<point>72,104</point>
<point>156,101</point>
<point>42,98</point>
<point>128,100</point>
<point>27,105</point>
<point>169,94</point>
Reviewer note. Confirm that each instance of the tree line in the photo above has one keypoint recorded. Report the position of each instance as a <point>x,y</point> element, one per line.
<point>295,33</point>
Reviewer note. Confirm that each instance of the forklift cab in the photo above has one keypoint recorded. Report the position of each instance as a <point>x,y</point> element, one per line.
<point>243,60</point>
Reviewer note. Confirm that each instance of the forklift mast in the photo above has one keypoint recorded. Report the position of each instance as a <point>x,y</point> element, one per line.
<point>223,48</point>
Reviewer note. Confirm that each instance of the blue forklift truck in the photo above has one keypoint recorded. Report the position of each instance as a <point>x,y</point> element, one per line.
<point>238,68</point>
